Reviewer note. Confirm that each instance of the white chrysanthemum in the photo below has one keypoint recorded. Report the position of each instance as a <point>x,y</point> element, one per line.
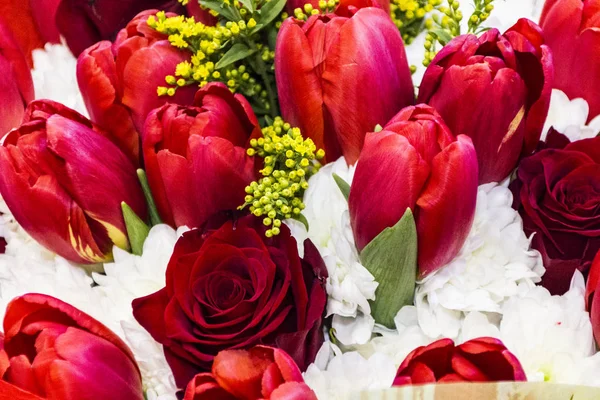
<point>350,285</point>
<point>343,376</point>
<point>495,259</point>
<point>552,335</point>
<point>54,76</point>
<point>569,117</point>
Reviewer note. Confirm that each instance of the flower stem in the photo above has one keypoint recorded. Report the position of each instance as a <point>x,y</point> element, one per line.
<point>262,71</point>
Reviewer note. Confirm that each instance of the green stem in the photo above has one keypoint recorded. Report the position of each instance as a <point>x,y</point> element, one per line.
<point>152,210</point>
<point>262,71</point>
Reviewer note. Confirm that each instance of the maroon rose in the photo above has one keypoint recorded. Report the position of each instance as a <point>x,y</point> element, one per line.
<point>233,288</point>
<point>557,192</point>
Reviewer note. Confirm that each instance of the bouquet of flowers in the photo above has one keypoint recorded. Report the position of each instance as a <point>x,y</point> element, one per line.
<point>297,199</point>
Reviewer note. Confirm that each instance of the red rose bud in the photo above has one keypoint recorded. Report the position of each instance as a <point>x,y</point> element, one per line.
<point>556,194</point>
<point>16,84</point>
<point>51,350</point>
<point>259,373</point>
<point>196,157</point>
<point>572,30</point>
<point>495,89</point>
<point>415,162</point>
<point>118,81</point>
<point>479,360</point>
<point>233,288</point>
<point>338,77</point>
<point>84,22</point>
<point>592,302</point>
<point>64,183</point>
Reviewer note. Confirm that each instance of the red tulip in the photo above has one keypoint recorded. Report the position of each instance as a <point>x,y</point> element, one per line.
<point>338,77</point>
<point>64,183</point>
<point>196,157</point>
<point>118,81</point>
<point>85,22</point>
<point>479,360</point>
<point>31,22</point>
<point>592,301</point>
<point>53,351</point>
<point>572,30</point>
<point>16,86</point>
<point>416,163</point>
<point>256,374</point>
<point>495,89</point>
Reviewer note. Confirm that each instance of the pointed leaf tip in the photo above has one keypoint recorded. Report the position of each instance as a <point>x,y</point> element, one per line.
<point>343,185</point>
<point>137,230</point>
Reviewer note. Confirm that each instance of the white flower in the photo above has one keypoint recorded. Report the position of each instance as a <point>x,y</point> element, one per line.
<point>495,259</point>
<point>552,335</point>
<point>569,117</point>
<point>350,285</point>
<point>346,375</point>
<point>54,76</point>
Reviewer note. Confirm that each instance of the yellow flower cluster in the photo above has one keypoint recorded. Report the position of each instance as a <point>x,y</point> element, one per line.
<point>409,16</point>
<point>325,6</point>
<point>289,161</point>
<point>483,8</point>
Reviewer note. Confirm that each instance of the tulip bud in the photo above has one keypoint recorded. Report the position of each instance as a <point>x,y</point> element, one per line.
<point>64,184</point>
<point>338,77</point>
<point>415,162</point>
<point>16,86</point>
<point>572,31</point>
<point>495,89</point>
<point>51,350</point>
<point>196,157</point>
<point>118,80</point>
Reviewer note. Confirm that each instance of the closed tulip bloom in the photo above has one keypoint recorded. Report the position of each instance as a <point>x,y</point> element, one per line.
<point>84,22</point>
<point>495,89</point>
<point>338,77</point>
<point>16,85</point>
<point>64,183</point>
<point>51,350</point>
<point>483,359</point>
<point>416,162</point>
<point>572,30</point>
<point>260,373</point>
<point>195,156</point>
<point>118,81</point>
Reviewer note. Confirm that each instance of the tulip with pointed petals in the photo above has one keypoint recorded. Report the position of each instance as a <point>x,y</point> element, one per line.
<point>416,162</point>
<point>51,350</point>
<point>478,360</point>
<point>572,30</point>
<point>496,89</point>
<point>195,156</point>
<point>260,373</point>
<point>16,85</point>
<point>338,77</point>
<point>118,80</point>
<point>64,183</point>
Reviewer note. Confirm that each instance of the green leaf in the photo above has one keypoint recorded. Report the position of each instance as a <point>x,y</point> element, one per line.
<point>154,217</point>
<point>302,218</point>
<point>343,185</point>
<point>216,5</point>
<point>443,36</point>
<point>270,11</point>
<point>237,52</point>
<point>392,259</point>
<point>249,4</point>
<point>137,230</point>
<point>378,128</point>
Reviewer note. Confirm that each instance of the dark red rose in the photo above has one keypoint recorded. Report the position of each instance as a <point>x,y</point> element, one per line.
<point>557,192</point>
<point>483,359</point>
<point>232,288</point>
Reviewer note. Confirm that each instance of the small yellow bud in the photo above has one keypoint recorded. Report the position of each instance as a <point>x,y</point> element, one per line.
<point>171,91</point>
<point>161,91</point>
<point>251,152</point>
<point>251,23</point>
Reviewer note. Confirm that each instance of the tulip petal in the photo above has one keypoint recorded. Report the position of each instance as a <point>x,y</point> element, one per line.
<point>446,207</point>
<point>293,391</point>
<point>240,371</point>
<point>11,392</point>
<point>204,387</point>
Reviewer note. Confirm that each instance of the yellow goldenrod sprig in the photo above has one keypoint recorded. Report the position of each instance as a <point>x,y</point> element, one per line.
<point>325,6</point>
<point>409,16</point>
<point>482,11</point>
<point>289,161</point>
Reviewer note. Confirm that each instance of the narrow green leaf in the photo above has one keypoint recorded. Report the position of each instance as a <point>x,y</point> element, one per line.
<point>378,128</point>
<point>392,259</point>
<point>137,230</point>
<point>154,217</point>
<point>302,218</point>
<point>216,5</point>
<point>270,11</point>
<point>343,185</point>
<point>237,52</point>
<point>249,4</point>
<point>443,36</point>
